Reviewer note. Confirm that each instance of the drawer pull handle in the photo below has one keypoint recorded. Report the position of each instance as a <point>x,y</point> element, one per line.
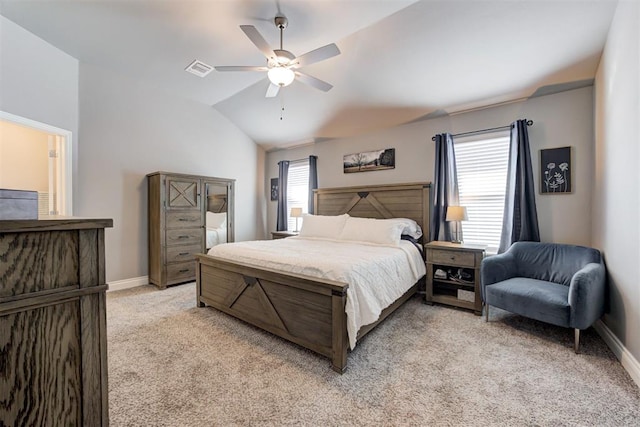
<point>453,258</point>
<point>183,270</point>
<point>184,253</point>
<point>186,219</point>
<point>183,237</point>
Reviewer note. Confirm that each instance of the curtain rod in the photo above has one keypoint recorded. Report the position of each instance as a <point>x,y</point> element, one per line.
<point>473,132</point>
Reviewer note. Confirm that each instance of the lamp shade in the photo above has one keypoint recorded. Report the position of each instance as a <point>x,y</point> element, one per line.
<point>281,76</point>
<point>296,212</point>
<point>457,213</point>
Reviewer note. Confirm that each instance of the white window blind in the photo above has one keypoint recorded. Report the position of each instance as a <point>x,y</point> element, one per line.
<point>297,190</point>
<point>481,163</point>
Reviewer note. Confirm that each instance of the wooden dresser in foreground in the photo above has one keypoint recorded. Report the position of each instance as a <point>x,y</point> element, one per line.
<point>453,275</point>
<point>53,342</point>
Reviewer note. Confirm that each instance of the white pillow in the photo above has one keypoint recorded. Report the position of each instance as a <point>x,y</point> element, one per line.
<point>216,220</point>
<point>323,226</point>
<point>409,227</point>
<point>370,230</point>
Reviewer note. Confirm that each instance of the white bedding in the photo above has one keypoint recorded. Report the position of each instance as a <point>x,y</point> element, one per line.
<point>377,275</point>
<point>215,236</point>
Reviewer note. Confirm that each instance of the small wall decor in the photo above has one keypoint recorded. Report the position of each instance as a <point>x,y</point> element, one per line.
<point>370,161</point>
<point>555,170</point>
<point>274,189</point>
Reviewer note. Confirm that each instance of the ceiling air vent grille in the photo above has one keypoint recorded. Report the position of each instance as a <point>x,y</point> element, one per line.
<point>199,68</point>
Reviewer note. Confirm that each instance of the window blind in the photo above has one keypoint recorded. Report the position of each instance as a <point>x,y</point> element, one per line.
<point>481,163</point>
<point>297,190</point>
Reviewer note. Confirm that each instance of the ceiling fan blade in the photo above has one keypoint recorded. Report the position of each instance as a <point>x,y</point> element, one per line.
<point>257,39</point>
<point>317,55</point>
<point>240,68</point>
<point>315,82</point>
<point>272,91</point>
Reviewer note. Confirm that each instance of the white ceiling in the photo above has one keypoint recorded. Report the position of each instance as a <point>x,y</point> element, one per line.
<point>401,59</point>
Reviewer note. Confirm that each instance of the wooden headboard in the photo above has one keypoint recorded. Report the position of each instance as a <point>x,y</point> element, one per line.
<point>378,201</point>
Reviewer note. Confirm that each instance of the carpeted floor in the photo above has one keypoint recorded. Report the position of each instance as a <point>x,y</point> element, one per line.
<point>172,364</point>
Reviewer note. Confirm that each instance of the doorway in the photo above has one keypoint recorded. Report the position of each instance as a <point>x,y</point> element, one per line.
<point>36,156</point>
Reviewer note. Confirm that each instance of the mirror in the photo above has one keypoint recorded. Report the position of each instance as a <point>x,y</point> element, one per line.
<point>218,214</point>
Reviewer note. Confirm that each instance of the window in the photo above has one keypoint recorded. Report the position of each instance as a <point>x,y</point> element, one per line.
<point>297,190</point>
<point>481,163</point>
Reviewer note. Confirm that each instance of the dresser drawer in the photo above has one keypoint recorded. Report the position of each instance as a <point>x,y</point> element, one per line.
<point>182,253</point>
<point>181,271</point>
<point>186,236</point>
<point>183,219</point>
<point>457,258</point>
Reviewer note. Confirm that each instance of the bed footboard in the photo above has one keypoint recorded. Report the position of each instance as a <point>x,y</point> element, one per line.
<point>304,310</point>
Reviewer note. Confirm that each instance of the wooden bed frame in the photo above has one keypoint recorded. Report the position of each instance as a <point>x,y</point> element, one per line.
<point>306,310</point>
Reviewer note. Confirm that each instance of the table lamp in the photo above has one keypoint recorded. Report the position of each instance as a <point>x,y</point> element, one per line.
<point>457,214</point>
<point>296,213</point>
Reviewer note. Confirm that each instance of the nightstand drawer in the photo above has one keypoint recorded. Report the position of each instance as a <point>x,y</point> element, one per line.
<point>457,258</point>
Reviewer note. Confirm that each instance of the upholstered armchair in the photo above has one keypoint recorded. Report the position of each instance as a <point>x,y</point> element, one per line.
<point>559,284</point>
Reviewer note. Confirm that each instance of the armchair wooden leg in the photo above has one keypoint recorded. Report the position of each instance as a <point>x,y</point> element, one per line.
<point>486,312</point>
<point>576,345</point>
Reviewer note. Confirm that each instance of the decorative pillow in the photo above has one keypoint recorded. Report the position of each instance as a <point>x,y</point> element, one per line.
<point>370,230</point>
<point>216,220</point>
<point>323,226</point>
<point>410,227</point>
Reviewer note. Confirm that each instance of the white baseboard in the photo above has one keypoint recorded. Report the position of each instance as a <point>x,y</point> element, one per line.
<point>627,360</point>
<point>119,285</point>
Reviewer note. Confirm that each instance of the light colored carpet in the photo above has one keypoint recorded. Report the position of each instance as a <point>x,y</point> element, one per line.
<point>172,364</point>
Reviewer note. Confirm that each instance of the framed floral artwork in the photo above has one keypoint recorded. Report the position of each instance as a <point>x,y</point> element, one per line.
<point>555,171</point>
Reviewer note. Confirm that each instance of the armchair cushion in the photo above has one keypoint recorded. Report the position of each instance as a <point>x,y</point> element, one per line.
<point>532,298</point>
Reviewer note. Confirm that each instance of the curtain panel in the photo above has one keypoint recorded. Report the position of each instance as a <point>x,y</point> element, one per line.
<point>445,188</point>
<point>520,221</point>
<point>283,174</point>
<point>313,180</point>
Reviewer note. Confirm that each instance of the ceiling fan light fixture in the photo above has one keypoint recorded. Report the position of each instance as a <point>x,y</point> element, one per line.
<point>281,76</point>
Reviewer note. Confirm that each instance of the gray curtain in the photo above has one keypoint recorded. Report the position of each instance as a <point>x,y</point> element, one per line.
<point>445,188</point>
<point>283,174</point>
<point>520,221</point>
<point>313,180</point>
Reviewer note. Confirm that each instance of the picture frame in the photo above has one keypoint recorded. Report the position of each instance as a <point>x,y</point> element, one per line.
<point>367,161</point>
<point>274,189</point>
<point>556,171</point>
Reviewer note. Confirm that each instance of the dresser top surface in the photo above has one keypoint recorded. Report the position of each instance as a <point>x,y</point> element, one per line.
<point>59,223</point>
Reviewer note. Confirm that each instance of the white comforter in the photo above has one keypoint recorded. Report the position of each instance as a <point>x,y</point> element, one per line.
<point>377,275</point>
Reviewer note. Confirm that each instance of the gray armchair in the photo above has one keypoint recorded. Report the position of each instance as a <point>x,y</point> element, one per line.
<point>559,284</point>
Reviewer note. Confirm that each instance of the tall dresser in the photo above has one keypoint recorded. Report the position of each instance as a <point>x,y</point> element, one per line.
<point>53,342</point>
<point>178,205</point>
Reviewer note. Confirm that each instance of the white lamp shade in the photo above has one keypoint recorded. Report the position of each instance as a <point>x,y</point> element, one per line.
<point>296,212</point>
<point>457,213</point>
<point>281,76</point>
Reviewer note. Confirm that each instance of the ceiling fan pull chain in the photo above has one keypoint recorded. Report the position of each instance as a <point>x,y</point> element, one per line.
<point>281,104</point>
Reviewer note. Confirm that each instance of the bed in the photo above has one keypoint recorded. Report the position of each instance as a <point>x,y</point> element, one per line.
<point>303,309</point>
<point>216,227</point>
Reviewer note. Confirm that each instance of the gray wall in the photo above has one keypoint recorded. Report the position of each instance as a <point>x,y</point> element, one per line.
<point>128,130</point>
<point>563,119</point>
<point>617,177</point>
<point>38,81</point>
<point>123,130</point>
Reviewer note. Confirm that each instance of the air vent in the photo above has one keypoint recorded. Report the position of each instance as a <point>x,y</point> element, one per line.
<point>199,68</point>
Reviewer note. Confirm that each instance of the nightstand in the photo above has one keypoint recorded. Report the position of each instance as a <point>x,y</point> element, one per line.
<point>283,234</point>
<point>453,274</point>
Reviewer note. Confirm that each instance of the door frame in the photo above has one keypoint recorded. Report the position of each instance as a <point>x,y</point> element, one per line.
<point>65,171</point>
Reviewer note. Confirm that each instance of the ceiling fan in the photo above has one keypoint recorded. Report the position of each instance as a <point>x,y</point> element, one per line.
<point>282,66</point>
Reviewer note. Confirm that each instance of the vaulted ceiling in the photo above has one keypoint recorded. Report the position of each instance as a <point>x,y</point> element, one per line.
<point>401,60</point>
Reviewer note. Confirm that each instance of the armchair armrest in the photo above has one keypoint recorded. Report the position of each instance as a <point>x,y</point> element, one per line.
<point>497,268</point>
<point>586,295</point>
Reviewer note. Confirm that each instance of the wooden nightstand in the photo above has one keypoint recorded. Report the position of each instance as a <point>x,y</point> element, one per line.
<point>283,234</point>
<point>453,274</point>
